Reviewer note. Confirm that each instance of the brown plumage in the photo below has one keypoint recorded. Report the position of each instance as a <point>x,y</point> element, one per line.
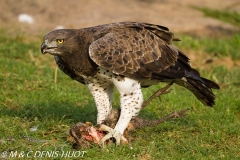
<point>128,55</point>
<point>137,50</point>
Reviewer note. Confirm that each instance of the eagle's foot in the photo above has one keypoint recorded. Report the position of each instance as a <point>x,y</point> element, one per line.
<point>112,133</point>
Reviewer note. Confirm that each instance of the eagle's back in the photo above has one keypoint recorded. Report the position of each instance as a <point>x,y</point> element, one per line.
<point>160,31</point>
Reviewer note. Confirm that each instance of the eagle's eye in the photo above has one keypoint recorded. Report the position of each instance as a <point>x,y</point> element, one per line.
<point>60,41</point>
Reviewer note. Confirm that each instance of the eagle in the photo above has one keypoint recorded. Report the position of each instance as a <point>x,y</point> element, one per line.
<point>128,56</point>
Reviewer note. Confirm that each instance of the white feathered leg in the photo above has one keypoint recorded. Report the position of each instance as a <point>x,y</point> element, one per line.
<point>131,101</point>
<point>102,94</point>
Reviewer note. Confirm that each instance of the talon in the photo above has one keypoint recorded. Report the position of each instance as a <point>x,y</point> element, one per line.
<point>111,134</point>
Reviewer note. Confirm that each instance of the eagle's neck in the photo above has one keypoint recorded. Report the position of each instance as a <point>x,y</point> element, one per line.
<point>78,58</point>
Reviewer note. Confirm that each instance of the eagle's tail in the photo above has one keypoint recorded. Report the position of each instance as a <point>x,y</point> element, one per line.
<point>200,87</point>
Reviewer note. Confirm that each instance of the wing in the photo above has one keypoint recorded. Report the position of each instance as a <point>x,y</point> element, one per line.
<point>136,51</point>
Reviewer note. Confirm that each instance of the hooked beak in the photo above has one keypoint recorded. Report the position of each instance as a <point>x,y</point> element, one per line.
<point>47,48</point>
<point>43,48</point>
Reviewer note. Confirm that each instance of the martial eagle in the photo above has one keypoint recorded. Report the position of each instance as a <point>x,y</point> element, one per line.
<point>128,56</point>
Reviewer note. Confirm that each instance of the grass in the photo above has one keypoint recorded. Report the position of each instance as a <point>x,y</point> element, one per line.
<point>220,47</point>
<point>232,17</point>
<point>29,97</point>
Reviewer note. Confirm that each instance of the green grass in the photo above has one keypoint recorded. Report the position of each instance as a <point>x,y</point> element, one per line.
<point>232,17</point>
<point>29,97</point>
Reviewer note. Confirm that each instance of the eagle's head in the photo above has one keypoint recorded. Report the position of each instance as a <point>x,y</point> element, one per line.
<point>60,42</point>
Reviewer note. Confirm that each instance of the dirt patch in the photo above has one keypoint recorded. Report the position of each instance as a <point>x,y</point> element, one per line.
<point>50,14</point>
